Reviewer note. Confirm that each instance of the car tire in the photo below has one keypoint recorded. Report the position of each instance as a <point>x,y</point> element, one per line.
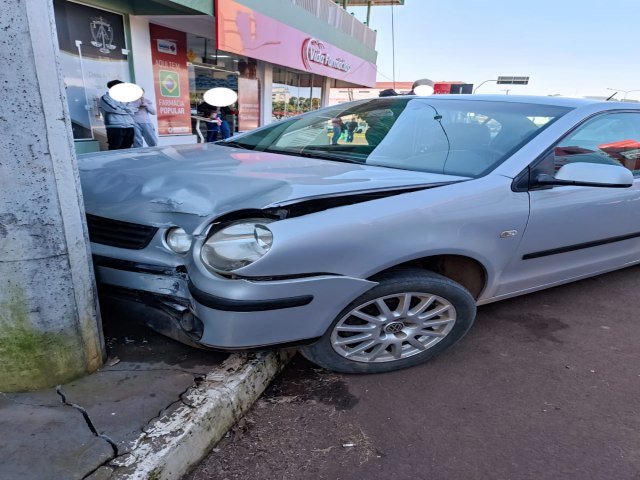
<point>411,316</point>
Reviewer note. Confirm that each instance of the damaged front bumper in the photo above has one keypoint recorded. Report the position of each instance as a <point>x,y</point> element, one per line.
<point>216,312</point>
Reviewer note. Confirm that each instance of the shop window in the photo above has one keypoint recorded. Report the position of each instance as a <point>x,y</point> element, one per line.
<point>294,93</point>
<point>92,52</point>
<point>210,68</point>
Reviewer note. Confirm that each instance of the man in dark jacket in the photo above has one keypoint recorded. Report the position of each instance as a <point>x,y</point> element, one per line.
<point>118,120</point>
<point>389,92</point>
<point>351,126</point>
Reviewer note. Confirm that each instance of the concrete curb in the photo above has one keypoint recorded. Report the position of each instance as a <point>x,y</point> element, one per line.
<point>176,442</point>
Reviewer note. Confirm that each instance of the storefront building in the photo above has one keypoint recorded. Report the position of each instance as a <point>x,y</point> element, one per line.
<point>280,56</point>
<point>349,94</point>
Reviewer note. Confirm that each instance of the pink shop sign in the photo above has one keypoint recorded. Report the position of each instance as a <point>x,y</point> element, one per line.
<point>246,32</point>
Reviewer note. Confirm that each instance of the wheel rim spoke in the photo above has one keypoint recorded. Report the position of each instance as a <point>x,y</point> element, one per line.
<point>437,323</point>
<point>360,348</point>
<point>355,328</point>
<point>434,313</point>
<point>354,339</point>
<point>404,305</point>
<point>366,317</point>
<point>377,351</point>
<point>396,350</point>
<point>423,305</point>
<point>431,333</point>
<point>417,343</point>
<point>385,311</point>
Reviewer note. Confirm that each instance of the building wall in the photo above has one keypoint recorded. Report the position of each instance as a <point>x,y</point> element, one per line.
<point>342,95</point>
<point>137,16</point>
<point>287,12</point>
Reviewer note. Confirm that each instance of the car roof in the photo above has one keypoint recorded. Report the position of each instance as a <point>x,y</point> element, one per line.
<point>540,100</point>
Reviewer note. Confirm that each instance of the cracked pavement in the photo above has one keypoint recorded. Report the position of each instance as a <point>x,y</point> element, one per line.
<point>73,430</point>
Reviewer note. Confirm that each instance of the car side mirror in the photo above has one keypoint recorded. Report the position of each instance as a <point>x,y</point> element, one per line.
<point>589,175</point>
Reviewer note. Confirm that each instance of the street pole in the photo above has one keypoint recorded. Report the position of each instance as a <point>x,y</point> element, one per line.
<point>482,83</point>
<point>50,330</point>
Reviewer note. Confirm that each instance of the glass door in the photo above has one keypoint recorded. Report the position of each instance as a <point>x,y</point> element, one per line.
<point>93,52</point>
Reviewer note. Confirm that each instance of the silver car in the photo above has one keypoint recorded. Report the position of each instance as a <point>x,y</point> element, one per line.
<point>370,255</point>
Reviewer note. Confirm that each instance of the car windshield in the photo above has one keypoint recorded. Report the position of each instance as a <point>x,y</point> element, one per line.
<point>448,136</point>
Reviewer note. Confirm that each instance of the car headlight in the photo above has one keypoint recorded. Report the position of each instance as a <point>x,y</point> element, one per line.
<point>178,240</point>
<point>237,245</point>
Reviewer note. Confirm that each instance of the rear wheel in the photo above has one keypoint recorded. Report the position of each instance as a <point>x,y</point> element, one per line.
<point>408,318</point>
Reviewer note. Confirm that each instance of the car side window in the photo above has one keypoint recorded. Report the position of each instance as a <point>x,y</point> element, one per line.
<point>612,138</point>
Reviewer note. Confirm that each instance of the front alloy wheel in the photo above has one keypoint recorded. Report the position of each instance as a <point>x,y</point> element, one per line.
<point>409,317</point>
<point>393,327</point>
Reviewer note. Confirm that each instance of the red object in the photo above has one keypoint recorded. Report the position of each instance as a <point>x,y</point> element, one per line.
<point>626,152</point>
<point>620,146</point>
<point>441,88</point>
<point>169,57</point>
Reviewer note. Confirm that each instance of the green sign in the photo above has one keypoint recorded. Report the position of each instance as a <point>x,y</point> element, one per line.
<point>169,83</point>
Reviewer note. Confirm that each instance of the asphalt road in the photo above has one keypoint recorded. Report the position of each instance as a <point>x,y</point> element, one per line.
<point>545,386</point>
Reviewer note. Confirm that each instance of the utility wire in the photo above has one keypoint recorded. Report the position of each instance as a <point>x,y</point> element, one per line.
<point>382,74</point>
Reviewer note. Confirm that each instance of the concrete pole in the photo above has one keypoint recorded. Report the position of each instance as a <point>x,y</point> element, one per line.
<point>50,328</point>
<point>265,76</point>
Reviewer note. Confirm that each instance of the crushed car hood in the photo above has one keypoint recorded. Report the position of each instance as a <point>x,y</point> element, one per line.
<point>155,185</point>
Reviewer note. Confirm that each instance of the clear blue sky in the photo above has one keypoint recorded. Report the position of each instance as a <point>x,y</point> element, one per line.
<point>568,47</point>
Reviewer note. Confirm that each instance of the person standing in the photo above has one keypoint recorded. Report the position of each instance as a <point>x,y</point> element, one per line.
<point>225,131</point>
<point>423,82</point>
<point>118,120</point>
<point>352,126</point>
<point>336,125</point>
<point>390,92</point>
<point>213,125</point>
<point>143,123</point>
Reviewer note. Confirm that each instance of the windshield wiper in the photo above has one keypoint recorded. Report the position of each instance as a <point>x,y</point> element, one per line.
<point>235,144</point>
<point>319,155</point>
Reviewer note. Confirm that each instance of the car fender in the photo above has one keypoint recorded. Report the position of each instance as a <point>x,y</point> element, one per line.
<point>466,218</point>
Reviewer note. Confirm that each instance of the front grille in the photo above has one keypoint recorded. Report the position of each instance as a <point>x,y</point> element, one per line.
<point>119,234</point>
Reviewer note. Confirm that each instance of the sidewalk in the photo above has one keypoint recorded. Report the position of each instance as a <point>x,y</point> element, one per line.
<point>152,412</point>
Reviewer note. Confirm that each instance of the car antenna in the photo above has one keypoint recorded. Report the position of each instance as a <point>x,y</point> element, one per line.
<point>612,95</point>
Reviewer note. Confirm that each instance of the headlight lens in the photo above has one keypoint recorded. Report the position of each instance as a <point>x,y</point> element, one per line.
<point>237,245</point>
<point>178,240</point>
